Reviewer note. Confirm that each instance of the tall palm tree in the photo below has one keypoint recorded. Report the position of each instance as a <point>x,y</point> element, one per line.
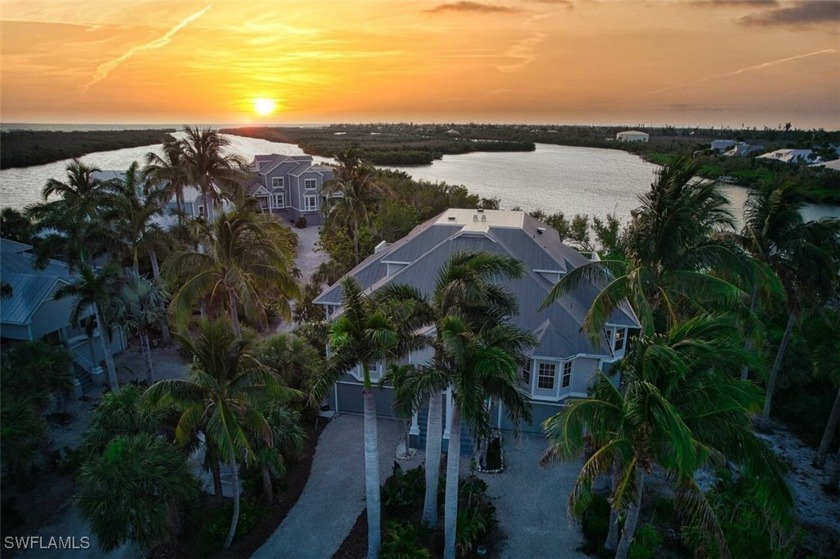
<point>247,263</point>
<point>120,414</point>
<point>208,166</point>
<point>674,240</point>
<point>682,407</point>
<point>132,491</point>
<point>219,399</point>
<point>169,170</point>
<point>465,288</point>
<point>805,255</point>
<point>140,305</point>
<point>479,367</point>
<point>351,195</point>
<point>293,359</point>
<point>95,289</point>
<point>362,335</point>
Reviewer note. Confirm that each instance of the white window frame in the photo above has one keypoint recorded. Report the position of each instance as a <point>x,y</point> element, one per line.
<point>620,341</point>
<point>567,375</point>
<point>308,182</point>
<point>525,372</point>
<point>277,182</point>
<point>310,202</point>
<point>543,375</point>
<point>279,196</point>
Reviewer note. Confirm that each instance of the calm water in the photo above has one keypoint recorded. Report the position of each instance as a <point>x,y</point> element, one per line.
<point>554,178</point>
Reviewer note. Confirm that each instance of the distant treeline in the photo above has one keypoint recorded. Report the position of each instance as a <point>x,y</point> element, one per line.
<point>24,148</point>
<point>389,144</point>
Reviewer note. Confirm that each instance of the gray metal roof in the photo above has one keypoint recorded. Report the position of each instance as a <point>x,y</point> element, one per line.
<point>430,245</point>
<point>30,287</point>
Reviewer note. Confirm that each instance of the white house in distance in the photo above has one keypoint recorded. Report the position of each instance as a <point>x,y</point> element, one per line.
<point>32,313</point>
<point>560,367</point>
<point>742,149</point>
<point>290,186</point>
<point>632,136</point>
<point>722,145</point>
<point>791,156</point>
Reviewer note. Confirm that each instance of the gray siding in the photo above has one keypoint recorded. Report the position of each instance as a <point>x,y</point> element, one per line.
<point>583,371</point>
<point>51,316</point>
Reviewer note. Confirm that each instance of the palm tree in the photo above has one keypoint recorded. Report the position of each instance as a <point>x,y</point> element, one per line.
<point>140,305</point>
<point>674,241</point>
<point>293,359</point>
<point>169,170</point>
<point>208,166</point>
<point>120,414</point>
<point>361,335</point>
<point>805,256</point>
<point>479,367</point>
<point>248,261</point>
<point>351,195</point>
<point>133,490</point>
<point>287,438</point>
<point>682,407</point>
<point>465,288</point>
<point>95,289</point>
<point>219,399</point>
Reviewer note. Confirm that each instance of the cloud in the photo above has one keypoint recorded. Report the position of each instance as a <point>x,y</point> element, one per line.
<point>472,7</point>
<point>733,3</point>
<point>106,68</point>
<point>801,13</point>
<point>525,51</point>
<point>566,3</point>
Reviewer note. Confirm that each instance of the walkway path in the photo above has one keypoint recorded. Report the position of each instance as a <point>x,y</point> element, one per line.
<point>335,493</point>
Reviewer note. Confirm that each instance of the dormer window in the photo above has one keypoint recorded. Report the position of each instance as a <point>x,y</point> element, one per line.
<point>277,182</point>
<point>620,335</point>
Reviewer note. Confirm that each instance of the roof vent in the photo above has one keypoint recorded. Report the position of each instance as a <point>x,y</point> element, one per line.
<point>475,217</point>
<point>540,230</point>
<point>451,218</point>
<point>380,247</point>
<point>483,218</point>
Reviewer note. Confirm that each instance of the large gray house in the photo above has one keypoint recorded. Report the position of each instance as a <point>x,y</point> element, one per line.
<point>32,313</point>
<point>290,186</point>
<point>560,367</point>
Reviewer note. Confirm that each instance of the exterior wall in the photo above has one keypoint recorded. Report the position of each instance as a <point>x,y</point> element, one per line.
<point>583,370</point>
<point>540,411</point>
<point>51,316</point>
<point>14,332</point>
<point>350,398</point>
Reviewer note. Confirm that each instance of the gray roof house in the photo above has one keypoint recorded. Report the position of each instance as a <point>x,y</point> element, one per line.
<point>31,313</point>
<point>560,367</point>
<point>290,186</point>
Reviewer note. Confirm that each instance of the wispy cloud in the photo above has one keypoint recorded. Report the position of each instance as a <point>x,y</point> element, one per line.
<point>735,3</point>
<point>106,68</point>
<point>525,51</point>
<point>801,13</point>
<point>742,70</point>
<point>472,7</point>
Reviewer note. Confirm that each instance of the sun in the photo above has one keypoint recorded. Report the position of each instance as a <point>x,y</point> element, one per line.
<point>264,106</point>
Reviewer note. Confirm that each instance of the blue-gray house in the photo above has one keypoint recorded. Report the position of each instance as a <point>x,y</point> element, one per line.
<point>560,367</point>
<point>290,186</point>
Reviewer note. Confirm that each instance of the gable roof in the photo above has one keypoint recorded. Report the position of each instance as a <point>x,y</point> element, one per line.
<point>416,258</point>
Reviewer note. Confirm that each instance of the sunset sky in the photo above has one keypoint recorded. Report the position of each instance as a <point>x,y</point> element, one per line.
<point>681,62</point>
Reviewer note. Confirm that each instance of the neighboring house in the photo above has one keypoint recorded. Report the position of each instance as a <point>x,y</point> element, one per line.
<point>632,136</point>
<point>560,367</point>
<point>31,313</point>
<point>743,149</point>
<point>791,156</point>
<point>722,145</point>
<point>834,164</point>
<point>290,186</point>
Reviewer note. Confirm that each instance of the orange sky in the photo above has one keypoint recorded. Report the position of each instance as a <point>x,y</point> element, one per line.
<point>681,62</point>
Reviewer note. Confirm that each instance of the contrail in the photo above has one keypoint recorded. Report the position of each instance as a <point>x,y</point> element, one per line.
<point>741,71</point>
<point>106,68</point>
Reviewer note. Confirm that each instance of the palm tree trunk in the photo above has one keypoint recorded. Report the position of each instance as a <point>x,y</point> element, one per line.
<point>453,466</point>
<point>371,473</point>
<point>106,347</point>
<point>828,434</point>
<point>632,517</point>
<point>234,469</point>
<point>612,535</point>
<point>147,356</point>
<point>748,342</point>
<point>774,372</point>
<point>166,336</point>
<point>215,470</point>
<point>268,488</point>
<point>434,436</point>
<point>234,314</point>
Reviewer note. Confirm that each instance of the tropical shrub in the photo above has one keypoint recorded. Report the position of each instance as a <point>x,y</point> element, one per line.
<point>645,543</point>
<point>215,528</point>
<point>403,491</point>
<point>595,524</point>
<point>403,541</point>
<point>300,222</point>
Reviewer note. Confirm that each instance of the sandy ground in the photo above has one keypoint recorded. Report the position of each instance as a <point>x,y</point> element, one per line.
<point>308,259</point>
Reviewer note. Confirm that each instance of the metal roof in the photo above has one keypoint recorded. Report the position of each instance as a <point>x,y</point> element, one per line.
<point>30,287</point>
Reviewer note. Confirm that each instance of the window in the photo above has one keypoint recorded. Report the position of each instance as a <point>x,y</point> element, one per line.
<point>310,184</point>
<point>545,376</point>
<point>264,202</point>
<point>526,372</point>
<point>277,182</point>
<point>310,202</point>
<point>280,200</point>
<point>201,211</point>
<point>567,374</point>
<point>619,339</point>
